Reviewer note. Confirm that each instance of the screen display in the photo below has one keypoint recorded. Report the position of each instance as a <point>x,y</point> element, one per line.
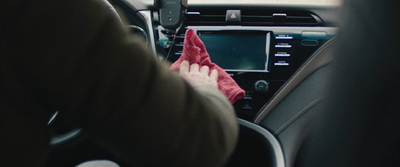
<point>238,50</point>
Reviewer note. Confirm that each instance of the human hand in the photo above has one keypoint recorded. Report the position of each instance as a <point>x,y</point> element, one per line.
<point>196,75</point>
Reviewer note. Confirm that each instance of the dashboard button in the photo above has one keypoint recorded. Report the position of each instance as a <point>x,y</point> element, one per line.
<point>247,107</point>
<point>282,54</point>
<point>179,44</point>
<point>281,63</point>
<point>283,37</point>
<point>261,86</point>
<point>247,97</point>
<point>233,16</point>
<point>283,45</point>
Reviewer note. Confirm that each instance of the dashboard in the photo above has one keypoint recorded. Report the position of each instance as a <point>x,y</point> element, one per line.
<point>264,47</point>
<point>260,48</point>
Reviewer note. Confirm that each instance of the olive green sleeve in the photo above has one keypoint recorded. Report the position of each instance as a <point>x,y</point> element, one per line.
<point>139,109</point>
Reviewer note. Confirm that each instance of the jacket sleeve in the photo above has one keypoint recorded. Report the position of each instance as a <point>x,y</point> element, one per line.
<point>108,83</point>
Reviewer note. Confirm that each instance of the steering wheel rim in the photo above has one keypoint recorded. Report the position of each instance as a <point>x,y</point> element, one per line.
<point>75,136</point>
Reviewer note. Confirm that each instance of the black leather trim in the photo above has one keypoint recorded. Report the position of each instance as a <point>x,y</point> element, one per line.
<point>298,115</point>
<point>319,59</point>
<point>297,105</point>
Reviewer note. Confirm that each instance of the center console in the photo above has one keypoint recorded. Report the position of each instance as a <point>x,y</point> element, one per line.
<point>259,58</point>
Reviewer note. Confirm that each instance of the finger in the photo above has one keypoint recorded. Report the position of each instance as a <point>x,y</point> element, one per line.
<point>194,68</point>
<point>205,70</point>
<point>184,67</point>
<point>214,75</point>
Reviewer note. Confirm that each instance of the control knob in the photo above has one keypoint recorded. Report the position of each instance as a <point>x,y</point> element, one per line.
<point>261,86</point>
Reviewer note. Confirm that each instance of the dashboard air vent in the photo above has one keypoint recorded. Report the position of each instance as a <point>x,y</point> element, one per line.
<point>206,17</point>
<point>287,18</point>
<point>254,17</point>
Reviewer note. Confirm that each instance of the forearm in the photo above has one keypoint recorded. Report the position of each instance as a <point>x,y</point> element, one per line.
<point>139,108</point>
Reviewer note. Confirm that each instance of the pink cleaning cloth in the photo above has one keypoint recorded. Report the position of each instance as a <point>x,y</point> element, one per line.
<point>194,51</point>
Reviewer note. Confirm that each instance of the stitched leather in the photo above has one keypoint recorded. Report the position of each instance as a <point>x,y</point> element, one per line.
<point>319,59</point>
<point>298,114</point>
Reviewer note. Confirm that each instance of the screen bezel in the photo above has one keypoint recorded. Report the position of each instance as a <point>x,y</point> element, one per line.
<point>267,47</point>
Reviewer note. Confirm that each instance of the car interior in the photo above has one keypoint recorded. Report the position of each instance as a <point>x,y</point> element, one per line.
<point>313,98</point>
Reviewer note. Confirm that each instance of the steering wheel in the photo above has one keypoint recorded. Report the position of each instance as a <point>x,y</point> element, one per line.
<point>65,142</point>
<point>69,139</point>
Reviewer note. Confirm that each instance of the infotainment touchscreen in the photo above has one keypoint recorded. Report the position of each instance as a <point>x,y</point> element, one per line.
<point>245,51</point>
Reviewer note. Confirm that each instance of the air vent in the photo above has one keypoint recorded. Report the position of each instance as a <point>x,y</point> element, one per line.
<point>254,17</point>
<point>206,17</point>
<point>286,18</point>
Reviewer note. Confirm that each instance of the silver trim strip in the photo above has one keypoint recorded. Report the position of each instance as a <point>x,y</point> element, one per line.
<point>279,15</point>
<point>276,30</point>
<point>65,137</point>
<point>51,120</point>
<point>147,16</point>
<point>267,50</point>
<point>276,147</point>
<point>193,13</point>
<point>235,70</point>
